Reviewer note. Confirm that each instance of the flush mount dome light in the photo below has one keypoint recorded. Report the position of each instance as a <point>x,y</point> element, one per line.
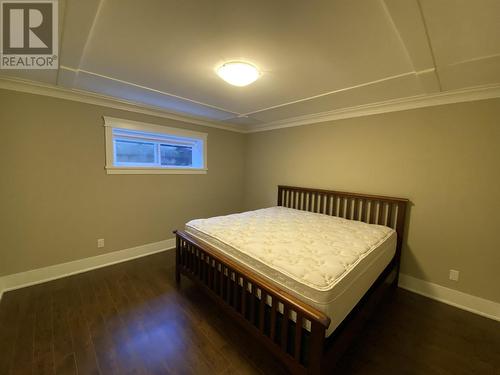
<point>238,73</point>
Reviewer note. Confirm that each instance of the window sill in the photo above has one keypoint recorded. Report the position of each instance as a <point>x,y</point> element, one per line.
<point>121,170</point>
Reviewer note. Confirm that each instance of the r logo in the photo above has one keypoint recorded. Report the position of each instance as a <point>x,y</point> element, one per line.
<point>29,31</point>
<point>27,28</point>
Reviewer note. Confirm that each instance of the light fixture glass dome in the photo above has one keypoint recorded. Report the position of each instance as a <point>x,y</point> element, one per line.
<point>238,73</point>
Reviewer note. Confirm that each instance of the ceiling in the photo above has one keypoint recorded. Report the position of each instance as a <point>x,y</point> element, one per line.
<point>316,56</point>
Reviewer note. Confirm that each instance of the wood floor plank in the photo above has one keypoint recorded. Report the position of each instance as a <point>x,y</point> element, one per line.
<point>10,314</point>
<point>66,365</point>
<point>64,356</point>
<point>114,329</point>
<point>163,336</point>
<point>24,343</point>
<point>85,356</point>
<point>105,353</point>
<point>131,318</point>
<point>122,323</point>
<point>43,350</point>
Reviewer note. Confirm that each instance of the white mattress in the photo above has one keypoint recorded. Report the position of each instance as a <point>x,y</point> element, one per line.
<point>325,261</point>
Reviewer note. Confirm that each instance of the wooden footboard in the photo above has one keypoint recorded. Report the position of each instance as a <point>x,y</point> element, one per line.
<point>291,329</point>
<point>294,331</point>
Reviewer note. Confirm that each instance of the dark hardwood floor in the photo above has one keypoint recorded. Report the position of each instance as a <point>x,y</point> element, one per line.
<point>131,319</point>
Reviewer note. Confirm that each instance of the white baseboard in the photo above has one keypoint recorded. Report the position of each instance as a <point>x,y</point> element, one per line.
<point>1,288</point>
<point>473,304</point>
<point>437,292</point>
<point>40,275</point>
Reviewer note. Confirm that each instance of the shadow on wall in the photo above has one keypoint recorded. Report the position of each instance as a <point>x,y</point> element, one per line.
<point>408,259</point>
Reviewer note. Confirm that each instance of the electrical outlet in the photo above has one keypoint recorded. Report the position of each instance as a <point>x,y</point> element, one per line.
<point>454,275</point>
<point>100,242</point>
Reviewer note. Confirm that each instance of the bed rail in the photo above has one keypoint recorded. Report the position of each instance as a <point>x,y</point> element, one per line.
<point>290,328</point>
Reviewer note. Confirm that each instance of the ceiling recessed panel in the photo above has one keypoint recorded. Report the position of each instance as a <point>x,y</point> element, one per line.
<point>462,30</point>
<point>122,90</point>
<point>410,26</point>
<point>465,39</point>
<point>303,48</point>
<point>472,73</point>
<point>399,87</point>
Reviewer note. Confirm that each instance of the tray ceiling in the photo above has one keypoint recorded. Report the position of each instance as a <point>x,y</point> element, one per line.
<point>316,56</point>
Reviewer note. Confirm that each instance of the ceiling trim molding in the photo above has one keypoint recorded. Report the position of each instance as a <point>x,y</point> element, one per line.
<point>396,105</point>
<point>90,33</point>
<point>145,88</point>
<point>36,88</point>
<point>385,79</point>
<point>422,59</point>
<point>429,44</point>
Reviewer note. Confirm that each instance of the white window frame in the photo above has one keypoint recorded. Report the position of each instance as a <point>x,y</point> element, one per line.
<point>111,123</point>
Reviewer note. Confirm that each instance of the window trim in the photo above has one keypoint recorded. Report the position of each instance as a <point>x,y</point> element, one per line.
<point>111,123</point>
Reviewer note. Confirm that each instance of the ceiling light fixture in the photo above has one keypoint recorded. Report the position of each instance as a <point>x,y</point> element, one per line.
<point>238,73</point>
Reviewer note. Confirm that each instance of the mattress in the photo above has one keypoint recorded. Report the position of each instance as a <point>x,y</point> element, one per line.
<point>325,261</point>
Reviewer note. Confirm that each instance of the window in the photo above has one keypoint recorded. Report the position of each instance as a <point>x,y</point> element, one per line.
<point>139,148</point>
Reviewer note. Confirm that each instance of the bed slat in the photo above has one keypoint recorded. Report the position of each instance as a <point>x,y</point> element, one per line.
<point>228,287</point>
<point>221,280</point>
<point>252,305</point>
<point>356,203</point>
<point>243,297</point>
<point>284,328</point>
<point>348,213</point>
<point>272,334</point>
<point>373,212</point>
<point>381,211</point>
<point>298,337</point>
<point>390,210</point>
<point>262,306</point>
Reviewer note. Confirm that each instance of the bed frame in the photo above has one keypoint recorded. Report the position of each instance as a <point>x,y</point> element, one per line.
<point>243,294</point>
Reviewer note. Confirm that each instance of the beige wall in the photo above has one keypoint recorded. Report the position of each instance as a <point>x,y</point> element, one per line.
<point>56,199</point>
<point>445,159</point>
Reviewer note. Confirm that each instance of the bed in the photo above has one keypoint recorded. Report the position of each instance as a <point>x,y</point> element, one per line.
<point>302,276</point>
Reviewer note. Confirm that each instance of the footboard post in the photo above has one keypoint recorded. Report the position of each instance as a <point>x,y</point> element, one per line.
<point>400,226</point>
<point>317,347</point>
<point>177,258</point>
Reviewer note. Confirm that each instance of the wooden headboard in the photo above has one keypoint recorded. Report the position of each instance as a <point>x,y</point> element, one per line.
<point>371,209</point>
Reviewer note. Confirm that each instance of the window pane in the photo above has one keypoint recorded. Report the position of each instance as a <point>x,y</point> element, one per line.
<point>176,155</point>
<point>134,152</point>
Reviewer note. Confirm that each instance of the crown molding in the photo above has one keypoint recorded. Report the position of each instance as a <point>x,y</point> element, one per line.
<point>37,88</point>
<point>395,105</point>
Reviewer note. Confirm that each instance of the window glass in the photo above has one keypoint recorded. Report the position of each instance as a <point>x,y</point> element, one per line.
<point>176,155</point>
<point>134,152</point>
